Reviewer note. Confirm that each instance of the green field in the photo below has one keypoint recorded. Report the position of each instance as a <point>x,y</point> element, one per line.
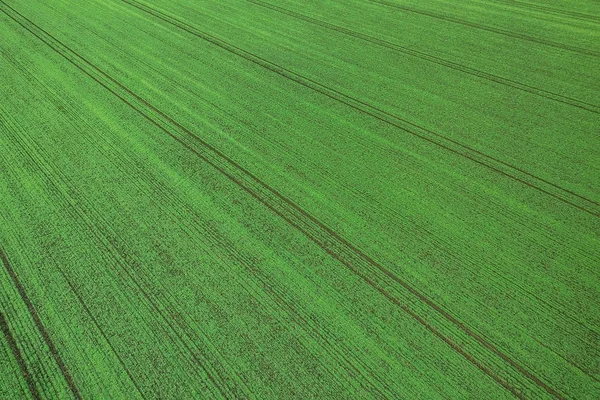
<point>286,199</point>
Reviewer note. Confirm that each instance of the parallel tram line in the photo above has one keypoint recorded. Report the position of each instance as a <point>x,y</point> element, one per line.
<point>62,188</point>
<point>40,326</point>
<point>504,32</point>
<point>44,378</point>
<point>98,326</point>
<point>344,358</point>
<point>332,243</point>
<point>512,282</point>
<point>513,172</point>
<point>39,362</point>
<point>190,212</point>
<point>436,60</point>
<point>12,344</point>
<point>303,321</point>
<point>102,333</point>
<point>550,10</point>
<point>347,359</point>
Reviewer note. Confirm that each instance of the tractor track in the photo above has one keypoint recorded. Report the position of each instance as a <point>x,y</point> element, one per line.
<point>323,236</point>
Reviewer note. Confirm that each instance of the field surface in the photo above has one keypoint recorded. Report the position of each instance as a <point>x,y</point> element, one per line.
<point>296,199</point>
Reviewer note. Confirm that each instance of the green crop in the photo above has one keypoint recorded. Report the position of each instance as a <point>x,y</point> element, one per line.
<point>300,199</point>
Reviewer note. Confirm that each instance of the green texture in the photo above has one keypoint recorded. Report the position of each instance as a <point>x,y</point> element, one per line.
<point>300,199</point>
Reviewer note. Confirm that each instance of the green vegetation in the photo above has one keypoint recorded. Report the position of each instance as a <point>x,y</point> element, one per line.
<point>300,199</point>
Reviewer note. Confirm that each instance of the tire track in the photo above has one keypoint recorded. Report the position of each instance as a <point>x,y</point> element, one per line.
<point>270,294</point>
<point>436,244</point>
<point>504,32</point>
<point>436,60</point>
<point>56,186</point>
<point>213,237</point>
<point>455,334</point>
<point>102,333</point>
<point>267,286</point>
<point>344,359</point>
<point>347,359</point>
<point>12,343</point>
<point>567,196</point>
<point>40,326</point>
<point>47,382</point>
<point>61,188</point>
<point>550,10</point>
